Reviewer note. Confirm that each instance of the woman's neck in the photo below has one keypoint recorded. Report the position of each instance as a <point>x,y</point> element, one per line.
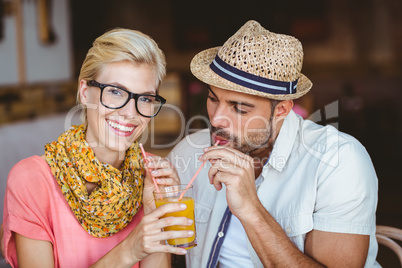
<point>113,158</point>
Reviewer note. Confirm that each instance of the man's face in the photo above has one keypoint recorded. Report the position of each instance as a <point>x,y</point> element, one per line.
<point>241,121</point>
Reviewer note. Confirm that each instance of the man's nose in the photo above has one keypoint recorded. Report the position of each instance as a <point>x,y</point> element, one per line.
<point>220,118</point>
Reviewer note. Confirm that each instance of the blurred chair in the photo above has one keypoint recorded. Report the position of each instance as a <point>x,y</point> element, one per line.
<point>386,236</point>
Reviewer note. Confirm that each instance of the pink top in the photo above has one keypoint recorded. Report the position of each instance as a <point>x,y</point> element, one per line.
<point>35,207</point>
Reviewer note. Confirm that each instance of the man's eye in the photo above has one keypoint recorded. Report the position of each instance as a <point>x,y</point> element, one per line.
<point>240,111</point>
<point>212,98</point>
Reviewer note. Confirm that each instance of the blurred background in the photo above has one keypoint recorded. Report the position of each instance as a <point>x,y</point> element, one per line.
<point>352,54</point>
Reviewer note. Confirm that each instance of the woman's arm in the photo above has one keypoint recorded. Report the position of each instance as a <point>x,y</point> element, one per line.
<point>143,244</point>
<point>145,240</point>
<point>33,253</point>
<point>156,260</point>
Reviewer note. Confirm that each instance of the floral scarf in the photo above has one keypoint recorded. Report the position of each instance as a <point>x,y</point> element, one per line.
<point>111,206</point>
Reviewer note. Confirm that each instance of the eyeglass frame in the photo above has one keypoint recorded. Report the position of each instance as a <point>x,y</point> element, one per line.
<point>135,96</point>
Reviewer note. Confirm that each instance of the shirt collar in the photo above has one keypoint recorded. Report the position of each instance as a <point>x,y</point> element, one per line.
<point>284,142</point>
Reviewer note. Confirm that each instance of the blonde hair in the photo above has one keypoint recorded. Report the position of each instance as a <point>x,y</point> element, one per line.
<point>121,45</point>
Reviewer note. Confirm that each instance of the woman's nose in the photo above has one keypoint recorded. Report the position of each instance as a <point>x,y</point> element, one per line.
<point>129,109</point>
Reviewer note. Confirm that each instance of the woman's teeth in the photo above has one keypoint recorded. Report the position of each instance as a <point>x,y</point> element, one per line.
<point>120,127</point>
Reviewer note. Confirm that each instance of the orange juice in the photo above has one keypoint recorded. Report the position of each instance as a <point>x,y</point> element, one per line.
<point>188,213</point>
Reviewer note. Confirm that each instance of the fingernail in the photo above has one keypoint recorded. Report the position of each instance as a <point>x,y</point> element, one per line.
<point>190,233</point>
<point>183,251</point>
<point>154,172</point>
<point>183,206</point>
<point>190,221</point>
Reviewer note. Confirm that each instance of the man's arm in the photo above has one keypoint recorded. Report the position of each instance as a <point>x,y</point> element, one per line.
<point>270,242</point>
<point>344,250</point>
<point>328,249</point>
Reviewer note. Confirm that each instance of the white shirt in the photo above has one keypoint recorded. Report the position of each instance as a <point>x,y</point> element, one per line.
<point>234,251</point>
<point>234,248</point>
<point>316,178</point>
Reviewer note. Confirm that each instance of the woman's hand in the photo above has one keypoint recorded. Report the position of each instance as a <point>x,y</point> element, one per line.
<point>164,174</point>
<point>162,171</point>
<point>148,238</point>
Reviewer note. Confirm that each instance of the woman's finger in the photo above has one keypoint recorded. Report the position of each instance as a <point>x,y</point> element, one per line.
<point>157,162</point>
<point>167,208</point>
<point>166,181</point>
<point>155,227</point>
<point>158,247</point>
<point>171,221</point>
<point>163,172</point>
<point>162,169</point>
<point>167,235</point>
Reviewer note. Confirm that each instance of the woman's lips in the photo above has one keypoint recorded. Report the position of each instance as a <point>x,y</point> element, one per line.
<point>121,129</point>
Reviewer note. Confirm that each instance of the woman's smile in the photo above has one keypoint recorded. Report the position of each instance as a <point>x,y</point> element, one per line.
<point>120,128</point>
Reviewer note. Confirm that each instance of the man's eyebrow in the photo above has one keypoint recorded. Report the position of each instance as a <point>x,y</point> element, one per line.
<point>210,90</point>
<point>242,103</point>
<point>233,102</point>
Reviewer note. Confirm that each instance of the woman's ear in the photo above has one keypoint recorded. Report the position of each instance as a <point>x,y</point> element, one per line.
<point>282,109</point>
<point>83,88</point>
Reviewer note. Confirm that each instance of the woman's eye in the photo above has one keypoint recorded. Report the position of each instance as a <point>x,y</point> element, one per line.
<point>114,91</point>
<point>146,99</point>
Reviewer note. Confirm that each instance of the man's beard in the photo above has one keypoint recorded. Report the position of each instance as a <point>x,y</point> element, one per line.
<point>253,142</point>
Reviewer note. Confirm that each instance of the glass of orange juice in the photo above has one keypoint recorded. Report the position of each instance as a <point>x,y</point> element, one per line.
<point>171,194</point>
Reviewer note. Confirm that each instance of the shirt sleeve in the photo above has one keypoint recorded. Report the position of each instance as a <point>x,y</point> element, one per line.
<point>26,204</point>
<point>347,193</point>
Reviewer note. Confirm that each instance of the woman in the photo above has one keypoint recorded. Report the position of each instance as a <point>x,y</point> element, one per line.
<point>87,201</point>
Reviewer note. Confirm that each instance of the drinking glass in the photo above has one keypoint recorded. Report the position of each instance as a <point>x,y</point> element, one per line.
<point>171,194</point>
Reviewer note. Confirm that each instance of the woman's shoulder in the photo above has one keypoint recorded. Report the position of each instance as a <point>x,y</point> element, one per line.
<point>29,171</point>
<point>30,164</point>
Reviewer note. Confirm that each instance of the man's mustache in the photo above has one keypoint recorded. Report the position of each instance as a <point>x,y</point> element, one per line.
<point>222,133</point>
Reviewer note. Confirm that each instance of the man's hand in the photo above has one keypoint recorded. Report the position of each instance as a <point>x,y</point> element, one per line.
<point>236,171</point>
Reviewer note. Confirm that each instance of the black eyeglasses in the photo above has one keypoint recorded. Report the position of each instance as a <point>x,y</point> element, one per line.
<point>114,97</point>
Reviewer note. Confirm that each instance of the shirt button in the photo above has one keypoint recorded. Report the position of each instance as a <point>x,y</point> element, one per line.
<point>288,230</point>
<point>221,234</point>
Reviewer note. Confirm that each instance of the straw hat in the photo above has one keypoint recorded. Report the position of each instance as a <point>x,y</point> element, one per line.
<point>255,61</point>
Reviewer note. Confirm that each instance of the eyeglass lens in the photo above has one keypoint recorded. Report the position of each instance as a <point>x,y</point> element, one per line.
<point>147,105</point>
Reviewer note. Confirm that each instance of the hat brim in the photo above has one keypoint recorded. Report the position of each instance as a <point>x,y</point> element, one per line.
<point>200,68</point>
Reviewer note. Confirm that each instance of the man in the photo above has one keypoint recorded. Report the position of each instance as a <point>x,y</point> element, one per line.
<point>285,191</point>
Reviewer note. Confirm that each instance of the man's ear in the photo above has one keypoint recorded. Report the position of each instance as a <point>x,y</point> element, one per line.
<point>282,109</point>
<point>83,88</point>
